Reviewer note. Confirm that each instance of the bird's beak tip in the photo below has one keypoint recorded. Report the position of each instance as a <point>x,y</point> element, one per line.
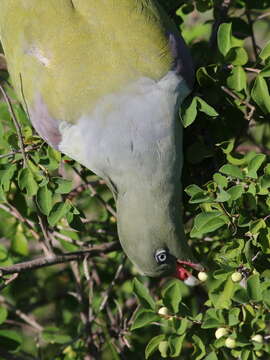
<point>183,274</point>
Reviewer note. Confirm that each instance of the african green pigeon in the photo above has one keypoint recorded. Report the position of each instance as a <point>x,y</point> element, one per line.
<point>102,81</point>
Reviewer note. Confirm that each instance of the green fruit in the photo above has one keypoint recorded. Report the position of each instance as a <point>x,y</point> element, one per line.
<point>202,276</point>
<point>221,332</point>
<point>163,348</point>
<point>230,343</point>
<point>236,277</point>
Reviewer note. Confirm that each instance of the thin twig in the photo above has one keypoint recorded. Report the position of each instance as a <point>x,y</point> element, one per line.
<point>108,291</point>
<point>15,213</point>
<point>262,16</point>
<point>26,318</point>
<point>14,152</point>
<point>253,40</point>
<point>257,71</point>
<point>48,250</point>
<point>59,259</point>
<point>95,194</point>
<point>252,108</point>
<point>9,281</point>
<point>16,124</point>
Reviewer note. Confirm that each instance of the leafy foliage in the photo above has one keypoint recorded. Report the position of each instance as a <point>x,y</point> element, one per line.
<point>87,309</point>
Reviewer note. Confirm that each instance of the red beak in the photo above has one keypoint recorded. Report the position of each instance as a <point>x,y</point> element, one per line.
<point>182,273</point>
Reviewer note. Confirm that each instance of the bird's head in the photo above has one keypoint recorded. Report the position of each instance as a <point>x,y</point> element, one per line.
<point>164,261</point>
<point>153,236</point>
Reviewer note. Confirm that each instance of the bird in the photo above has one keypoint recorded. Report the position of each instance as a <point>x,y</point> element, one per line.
<point>102,82</point>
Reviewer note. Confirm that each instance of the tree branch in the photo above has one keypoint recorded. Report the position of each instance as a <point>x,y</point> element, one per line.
<point>59,259</point>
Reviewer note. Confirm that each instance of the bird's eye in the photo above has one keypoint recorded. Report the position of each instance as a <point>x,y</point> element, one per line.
<point>161,256</point>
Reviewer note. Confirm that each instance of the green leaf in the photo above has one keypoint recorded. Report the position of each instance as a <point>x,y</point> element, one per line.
<point>265,72</point>
<point>223,301</point>
<point>143,295</point>
<point>201,197</point>
<point>265,52</point>
<point>213,318</point>
<point>237,79</point>
<point>211,356</point>
<point>53,335</point>
<point>202,106</point>
<point>27,182</point>
<point>44,200</point>
<point>144,317</point>
<point>240,295</point>
<point>176,343</point>
<point>7,175</point>
<point>54,158</point>
<point>189,112</point>
<point>245,355</point>
<point>237,56</point>
<point>254,165</point>
<point>232,171</point>
<point>163,348</point>
<point>3,314</point>
<point>232,250</point>
<point>58,211</point>
<point>19,243</point>
<point>234,316</point>
<point>3,253</point>
<point>266,297</point>
<point>203,75</point>
<point>260,94</point>
<point>172,295</point>
<point>256,225</point>
<point>54,154</point>
<point>10,340</point>
<point>192,190</point>
<point>220,180</point>
<point>226,146</point>
<point>64,186</point>
<point>254,288</point>
<point>199,348</point>
<point>152,346</point>
<point>222,196</point>
<point>182,326</point>
<point>235,191</point>
<point>224,38</point>
<point>35,170</point>
<point>68,246</point>
<point>207,222</point>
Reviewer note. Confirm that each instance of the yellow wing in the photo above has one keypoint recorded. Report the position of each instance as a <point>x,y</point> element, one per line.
<point>72,52</point>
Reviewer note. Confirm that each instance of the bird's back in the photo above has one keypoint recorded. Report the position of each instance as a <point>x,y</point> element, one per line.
<point>83,49</point>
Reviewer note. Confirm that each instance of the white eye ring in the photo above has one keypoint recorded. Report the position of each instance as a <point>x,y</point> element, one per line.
<point>161,256</point>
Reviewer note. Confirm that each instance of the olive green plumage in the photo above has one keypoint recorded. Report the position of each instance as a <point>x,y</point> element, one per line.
<point>103,81</point>
<point>95,56</point>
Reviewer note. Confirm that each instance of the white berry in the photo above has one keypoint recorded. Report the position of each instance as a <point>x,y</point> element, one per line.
<point>236,277</point>
<point>230,343</point>
<point>163,311</point>
<point>259,353</point>
<point>221,332</point>
<point>257,338</point>
<point>202,276</point>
